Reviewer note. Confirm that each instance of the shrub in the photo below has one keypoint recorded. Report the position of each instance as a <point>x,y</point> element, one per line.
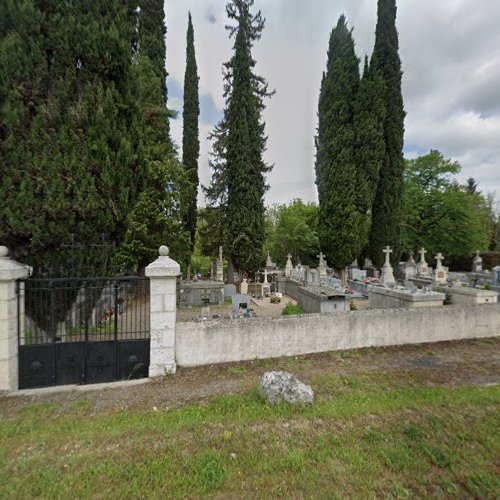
<point>292,310</point>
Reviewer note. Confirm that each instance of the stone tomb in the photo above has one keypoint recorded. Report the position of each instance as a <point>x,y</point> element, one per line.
<point>201,293</point>
<point>400,298</point>
<point>241,304</point>
<point>321,299</point>
<point>463,296</point>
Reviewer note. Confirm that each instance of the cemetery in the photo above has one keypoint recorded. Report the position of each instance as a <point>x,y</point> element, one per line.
<point>196,303</point>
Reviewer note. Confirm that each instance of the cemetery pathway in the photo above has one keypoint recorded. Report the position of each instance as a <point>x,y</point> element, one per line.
<point>472,362</point>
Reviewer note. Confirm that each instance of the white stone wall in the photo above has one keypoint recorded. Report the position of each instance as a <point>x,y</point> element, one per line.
<point>237,340</point>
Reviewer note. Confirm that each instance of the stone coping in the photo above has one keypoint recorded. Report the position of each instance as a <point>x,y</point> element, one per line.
<point>407,295</point>
<point>470,292</point>
<point>202,284</point>
<point>321,292</point>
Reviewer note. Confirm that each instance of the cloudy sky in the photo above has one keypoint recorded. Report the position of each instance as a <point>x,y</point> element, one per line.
<point>450,50</point>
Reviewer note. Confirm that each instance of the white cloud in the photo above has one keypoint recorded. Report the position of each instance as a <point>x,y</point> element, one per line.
<point>449,50</point>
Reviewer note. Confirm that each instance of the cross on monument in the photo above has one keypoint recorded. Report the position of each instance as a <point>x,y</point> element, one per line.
<point>321,258</point>
<point>387,250</point>
<point>422,253</point>
<point>439,256</point>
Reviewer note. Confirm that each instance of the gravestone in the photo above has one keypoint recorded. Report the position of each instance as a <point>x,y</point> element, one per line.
<point>229,290</point>
<point>422,266</point>
<point>240,303</point>
<point>244,287</point>
<point>410,268</point>
<point>220,267</point>
<point>357,274</point>
<point>322,267</point>
<point>387,277</point>
<point>269,261</point>
<point>440,273</point>
<point>288,266</point>
<point>477,263</point>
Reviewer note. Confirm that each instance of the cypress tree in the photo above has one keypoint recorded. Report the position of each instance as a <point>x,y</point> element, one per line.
<point>245,182</point>
<point>218,191</point>
<point>336,173</point>
<point>190,131</point>
<point>387,207</point>
<point>370,147</point>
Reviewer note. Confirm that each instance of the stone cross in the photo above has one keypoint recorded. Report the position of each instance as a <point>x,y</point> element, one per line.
<point>477,263</point>
<point>387,250</point>
<point>440,275</point>
<point>269,261</point>
<point>422,253</point>
<point>265,276</point>
<point>387,277</point>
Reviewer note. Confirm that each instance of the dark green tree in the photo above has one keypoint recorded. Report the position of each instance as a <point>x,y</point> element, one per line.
<point>370,147</point>
<point>387,207</point>
<point>190,131</point>
<point>245,168</point>
<point>217,192</point>
<point>339,218</point>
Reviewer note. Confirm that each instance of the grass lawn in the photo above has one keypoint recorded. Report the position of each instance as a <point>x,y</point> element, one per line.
<point>385,435</point>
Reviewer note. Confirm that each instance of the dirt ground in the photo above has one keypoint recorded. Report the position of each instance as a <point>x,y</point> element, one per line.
<point>473,362</point>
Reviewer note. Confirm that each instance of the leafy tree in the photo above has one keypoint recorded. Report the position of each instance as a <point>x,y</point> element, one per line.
<point>387,207</point>
<point>340,221</point>
<point>440,214</point>
<point>190,134</point>
<point>293,229</point>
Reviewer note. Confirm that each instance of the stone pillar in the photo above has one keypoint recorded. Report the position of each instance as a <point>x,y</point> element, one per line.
<point>163,273</point>
<point>10,271</point>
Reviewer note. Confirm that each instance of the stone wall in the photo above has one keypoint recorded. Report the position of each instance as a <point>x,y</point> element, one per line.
<point>237,340</point>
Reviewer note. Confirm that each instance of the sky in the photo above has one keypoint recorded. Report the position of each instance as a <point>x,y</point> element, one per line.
<point>450,53</point>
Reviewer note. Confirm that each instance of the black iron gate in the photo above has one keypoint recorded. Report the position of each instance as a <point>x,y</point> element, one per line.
<point>82,330</point>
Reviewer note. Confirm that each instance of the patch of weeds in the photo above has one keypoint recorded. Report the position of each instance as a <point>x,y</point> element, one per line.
<point>430,352</point>
<point>237,369</point>
<point>398,459</point>
<point>210,469</point>
<point>399,491</point>
<point>413,432</point>
<point>262,363</point>
<point>294,460</point>
<point>373,436</point>
<point>228,301</point>
<point>292,310</point>
<point>438,457</point>
<point>482,485</point>
<point>449,487</point>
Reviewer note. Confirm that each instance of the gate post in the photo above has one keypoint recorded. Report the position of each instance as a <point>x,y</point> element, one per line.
<point>162,274</point>
<point>10,316</point>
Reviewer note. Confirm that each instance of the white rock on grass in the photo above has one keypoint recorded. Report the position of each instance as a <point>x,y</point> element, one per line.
<point>276,387</point>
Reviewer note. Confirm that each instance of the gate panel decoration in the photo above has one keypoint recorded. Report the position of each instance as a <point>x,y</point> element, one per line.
<point>83,330</point>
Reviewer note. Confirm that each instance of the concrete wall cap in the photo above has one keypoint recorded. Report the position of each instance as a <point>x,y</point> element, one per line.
<point>163,266</point>
<point>11,269</point>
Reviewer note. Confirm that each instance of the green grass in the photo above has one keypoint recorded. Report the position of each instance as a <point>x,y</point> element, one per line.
<point>380,435</point>
<point>292,310</point>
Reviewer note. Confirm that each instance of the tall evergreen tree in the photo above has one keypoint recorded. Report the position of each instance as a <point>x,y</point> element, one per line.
<point>387,207</point>
<point>67,116</point>
<point>190,131</point>
<point>370,147</point>
<point>218,191</point>
<point>245,180</point>
<point>336,174</point>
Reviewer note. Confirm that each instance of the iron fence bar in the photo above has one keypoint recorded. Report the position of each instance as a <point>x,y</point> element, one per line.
<point>53,331</point>
<point>115,327</point>
<point>86,347</point>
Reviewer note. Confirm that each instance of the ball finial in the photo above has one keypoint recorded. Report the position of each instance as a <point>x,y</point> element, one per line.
<point>4,251</point>
<point>164,251</point>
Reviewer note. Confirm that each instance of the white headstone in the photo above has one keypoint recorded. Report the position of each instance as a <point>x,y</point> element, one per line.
<point>477,263</point>
<point>440,274</point>
<point>244,287</point>
<point>269,261</point>
<point>422,267</point>
<point>288,266</point>
<point>322,266</point>
<point>410,268</point>
<point>387,277</point>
